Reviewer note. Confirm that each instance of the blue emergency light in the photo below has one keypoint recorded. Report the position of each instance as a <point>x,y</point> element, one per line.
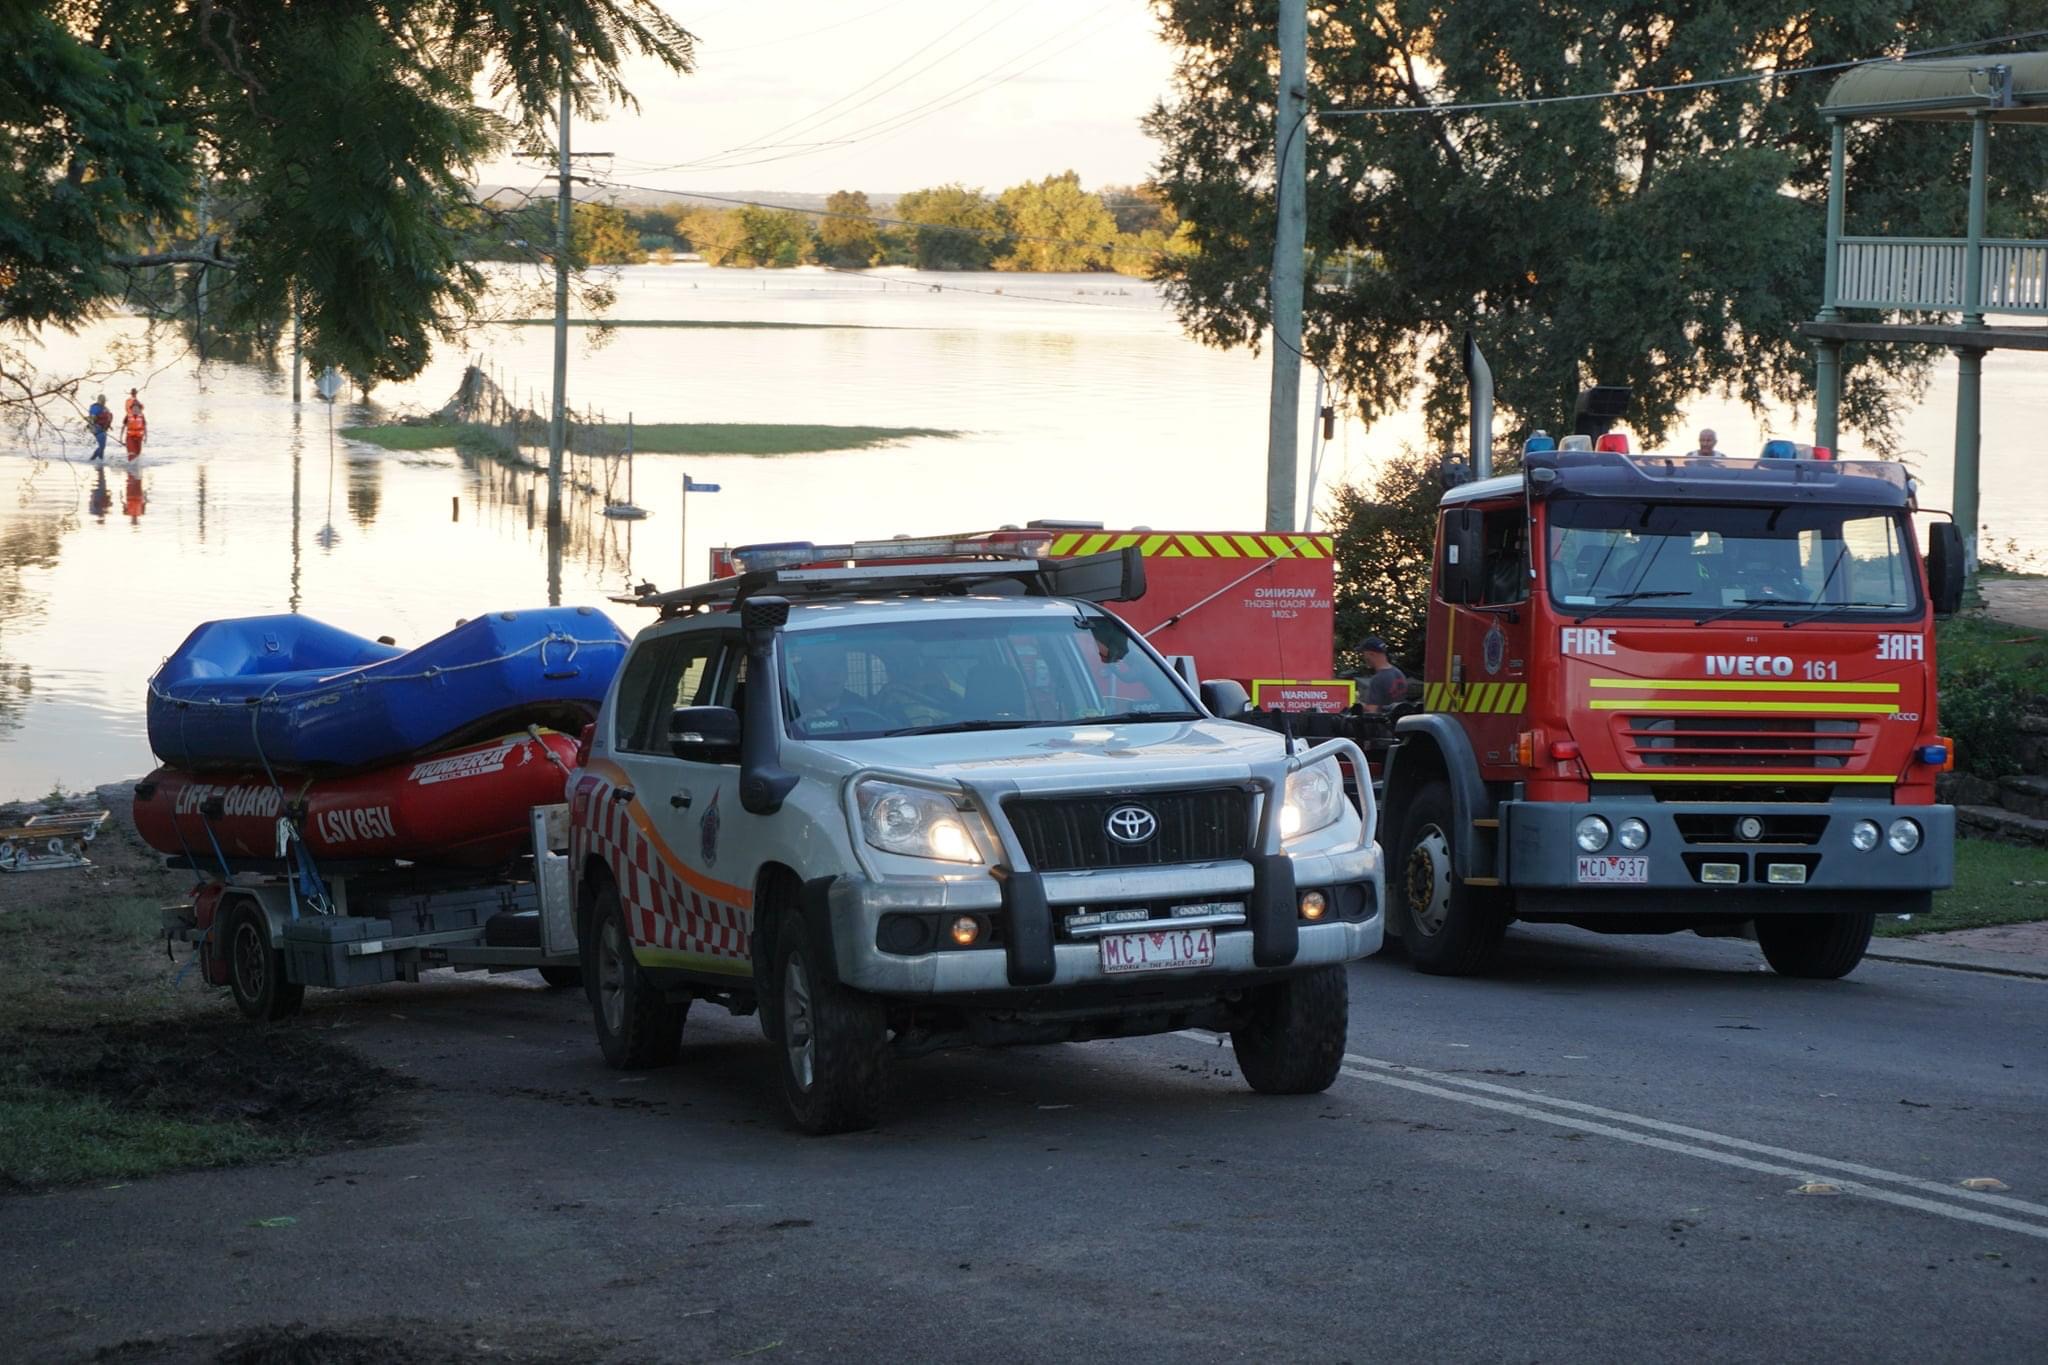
<point>1780,450</point>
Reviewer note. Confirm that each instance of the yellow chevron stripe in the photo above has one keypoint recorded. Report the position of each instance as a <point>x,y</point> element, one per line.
<point>1804,708</point>
<point>1312,547</point>
<point>1251,547</point>
<point>1729,685</point>
<point>1092,544</point>
<point>1521,701</point>
<point>1195,548</point>
<point>1660,775</point>
<point>1064,543</point>
<point>1482,699</point>
<point>1172,552</point>
<point>1125,542</point>
<point>1277,547</point>
<point>1223,548</point>
<point>1152,544</point>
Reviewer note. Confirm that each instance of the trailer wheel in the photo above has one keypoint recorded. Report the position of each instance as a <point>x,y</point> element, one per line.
<point>1817,947</point>
<point>834,1047</point>
<point>636,1027</point>
<point>256,969</point>
<point>1447,927</point>
<point>561,978</point>
<point>1290,1039</point>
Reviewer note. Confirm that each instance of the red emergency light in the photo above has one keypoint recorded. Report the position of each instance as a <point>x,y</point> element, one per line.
<point>1613,441</point>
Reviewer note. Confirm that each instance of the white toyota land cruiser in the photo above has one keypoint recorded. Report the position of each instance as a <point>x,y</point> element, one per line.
<point>912,806</point>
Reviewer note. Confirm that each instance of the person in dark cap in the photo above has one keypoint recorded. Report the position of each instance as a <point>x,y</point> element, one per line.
<point>1388,685</point>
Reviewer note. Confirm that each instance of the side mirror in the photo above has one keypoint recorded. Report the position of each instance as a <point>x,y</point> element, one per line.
<point>1225,699</point>
<point>1945,567</point>
<point>1459,555</point>
<point>704,734</point>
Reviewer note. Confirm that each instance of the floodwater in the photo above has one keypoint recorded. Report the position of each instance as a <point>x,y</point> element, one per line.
<point>1076,396</point>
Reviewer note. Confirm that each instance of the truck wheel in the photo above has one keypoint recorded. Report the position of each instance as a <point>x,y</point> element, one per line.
<point>1448,928</point>
<point>1819,947</point>
<point>636,1028</point>
<point>561,978</point>
<point>1290,1038</point>
<point>256,969</point>
<point>834,1041</point>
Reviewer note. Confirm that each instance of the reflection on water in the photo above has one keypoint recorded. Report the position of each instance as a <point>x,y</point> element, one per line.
<point>1076,396</point>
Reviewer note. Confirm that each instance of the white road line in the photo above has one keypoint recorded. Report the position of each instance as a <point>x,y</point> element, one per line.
<point>1806,1167</point>
<point>1802,1159</point>
<point>1910,1201</point>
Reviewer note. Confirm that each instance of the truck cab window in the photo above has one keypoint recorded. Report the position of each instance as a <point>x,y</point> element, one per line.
<point>664,675</point>
<point>1506,561</point>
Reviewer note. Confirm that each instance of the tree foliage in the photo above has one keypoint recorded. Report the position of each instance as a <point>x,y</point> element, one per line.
<point>1670,242</point>
<point>847,235</point>
<point>332,147</point>
<point>1056,225</point>
<point>599,234</point>
<point>955,228</point>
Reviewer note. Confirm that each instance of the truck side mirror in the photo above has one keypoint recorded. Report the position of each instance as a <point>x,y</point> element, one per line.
<point>1459,555</point>
<point>1224,698</point>
<point>704,734</point>
<point>1945,567</point>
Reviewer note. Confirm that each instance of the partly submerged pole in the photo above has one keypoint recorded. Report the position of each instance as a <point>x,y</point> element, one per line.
<point>558,418</point>
<point>1290,236</point>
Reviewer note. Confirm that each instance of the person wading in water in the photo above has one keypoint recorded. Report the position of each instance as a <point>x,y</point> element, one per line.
<point>136,427</point>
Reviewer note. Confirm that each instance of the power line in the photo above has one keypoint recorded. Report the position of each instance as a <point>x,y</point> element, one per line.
<point>1746,78</point>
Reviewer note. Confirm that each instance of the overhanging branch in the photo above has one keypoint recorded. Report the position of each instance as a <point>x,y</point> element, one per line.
<point>148,258</point>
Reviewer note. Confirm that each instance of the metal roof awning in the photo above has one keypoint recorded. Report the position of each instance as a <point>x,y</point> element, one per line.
<point>1945,88</point>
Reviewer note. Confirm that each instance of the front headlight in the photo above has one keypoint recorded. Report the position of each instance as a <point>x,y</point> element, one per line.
<point>916,823</point>
<point>1903,836</point>
<point>1313,800</point>
<point>1591,833</point>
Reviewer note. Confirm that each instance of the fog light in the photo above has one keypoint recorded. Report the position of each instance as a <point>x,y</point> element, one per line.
<point>1633,834</point>
<point>965,930</point>
<point>1313,906</point>
<point>1864,834</point>
<point>1903,836</point>
<point>1785,874</point>
<point>1720,872</point>
<point>1749,827</point>
<point>1591,834</point>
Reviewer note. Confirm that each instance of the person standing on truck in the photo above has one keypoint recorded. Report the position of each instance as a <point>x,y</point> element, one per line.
<point>1708,442</point>
<point>1388,685</point>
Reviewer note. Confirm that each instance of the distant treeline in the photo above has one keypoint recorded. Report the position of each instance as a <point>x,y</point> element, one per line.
<point>1045,225</point>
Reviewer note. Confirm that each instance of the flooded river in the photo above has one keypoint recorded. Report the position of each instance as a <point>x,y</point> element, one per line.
<point>1075,396</point>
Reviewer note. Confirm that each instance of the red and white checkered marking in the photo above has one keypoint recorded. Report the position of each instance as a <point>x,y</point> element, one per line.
<point>662,910</point>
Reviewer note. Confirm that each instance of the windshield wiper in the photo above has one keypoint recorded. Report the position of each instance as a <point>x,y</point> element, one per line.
<point>1616,599</point>
<point>1743,604</point>
<point>1833,607</point>
<point>957,727</point>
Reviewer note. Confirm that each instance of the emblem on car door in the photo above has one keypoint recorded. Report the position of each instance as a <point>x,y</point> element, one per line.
<point>1132,824</point>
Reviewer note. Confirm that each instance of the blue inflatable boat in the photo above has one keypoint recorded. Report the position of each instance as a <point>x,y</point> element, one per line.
<point>294,693</point>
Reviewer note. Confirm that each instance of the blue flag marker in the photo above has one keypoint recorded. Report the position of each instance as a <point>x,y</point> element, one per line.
<point>690,485</point>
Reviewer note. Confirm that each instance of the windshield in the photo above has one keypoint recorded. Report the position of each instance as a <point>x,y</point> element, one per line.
<point>983,672</point>
<point>1707,560</point>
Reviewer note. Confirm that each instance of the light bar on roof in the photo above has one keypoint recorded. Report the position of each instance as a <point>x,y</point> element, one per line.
<point>790,553</point>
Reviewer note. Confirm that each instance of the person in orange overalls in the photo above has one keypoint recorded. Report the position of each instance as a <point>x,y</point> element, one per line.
<point>135,427</point>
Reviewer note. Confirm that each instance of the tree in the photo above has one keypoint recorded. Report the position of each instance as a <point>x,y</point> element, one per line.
<point>1056,225</point>
<point>955,228</point>
<point>776,238</point>
<point>1138,208</point>
<point>120,119</point>
<point>600,235</point>
<point>1384,538</point>
<point>847,235</point>
<point>1670,242</point>
<point>717,235</point>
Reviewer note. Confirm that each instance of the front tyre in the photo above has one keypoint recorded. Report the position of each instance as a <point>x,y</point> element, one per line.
<point>636,1027</point>
<point>1290,1038</point>
<point>1447,927</point>
<point>834,1044</point>
<point>1817,947</point>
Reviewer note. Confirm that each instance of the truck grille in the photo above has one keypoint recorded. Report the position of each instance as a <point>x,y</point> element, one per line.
<point>1783,743</point>
<point>1071,833</point>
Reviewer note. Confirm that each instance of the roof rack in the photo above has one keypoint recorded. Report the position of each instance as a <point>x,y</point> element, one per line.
<point>1116,576</point>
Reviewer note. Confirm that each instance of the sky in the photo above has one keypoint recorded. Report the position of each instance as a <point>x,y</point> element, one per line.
<point>887,96</point>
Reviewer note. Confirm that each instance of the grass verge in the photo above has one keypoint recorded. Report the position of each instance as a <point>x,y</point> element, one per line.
<point>663,438</point>
<point>1995,884</point>
<point>1990,671</point>
<point>112,1066</point>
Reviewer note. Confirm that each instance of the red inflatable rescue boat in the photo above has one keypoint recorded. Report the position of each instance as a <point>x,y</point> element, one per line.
<point>466,807</point>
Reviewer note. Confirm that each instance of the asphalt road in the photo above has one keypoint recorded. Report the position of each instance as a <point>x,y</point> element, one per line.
<point>1595,1155</point>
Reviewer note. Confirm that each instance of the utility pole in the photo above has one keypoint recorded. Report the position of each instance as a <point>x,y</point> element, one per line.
<point>298,363</point>
<point>1290,235</point>
<point>558,419</point>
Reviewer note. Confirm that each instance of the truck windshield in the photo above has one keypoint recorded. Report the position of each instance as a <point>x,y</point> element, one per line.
<point>1708,560</point>
<point>982,672</point>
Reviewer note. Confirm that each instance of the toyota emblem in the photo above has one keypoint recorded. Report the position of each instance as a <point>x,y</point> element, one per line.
<point>1132,824</point>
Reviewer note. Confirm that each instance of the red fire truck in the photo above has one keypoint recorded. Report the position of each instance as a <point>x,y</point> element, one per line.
<point>1250,606</point>
<point>1668,693</point>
